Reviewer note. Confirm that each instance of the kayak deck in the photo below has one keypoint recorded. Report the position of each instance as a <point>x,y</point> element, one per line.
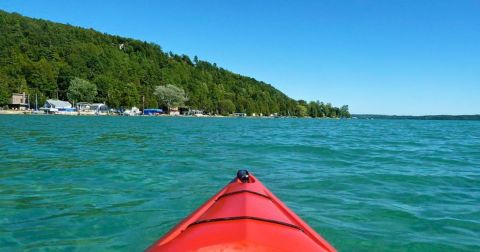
<point>243,216</point>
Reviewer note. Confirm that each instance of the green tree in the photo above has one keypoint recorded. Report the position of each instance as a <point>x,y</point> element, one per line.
<point>302,110</point>
<point>171,96</point>
<point>130,95</point>
<point>344,111</point>
<point>4,91</point>
<point>81,90</point>
<point>328,110</point>
<point>41,75</point>
<point>226,107</point>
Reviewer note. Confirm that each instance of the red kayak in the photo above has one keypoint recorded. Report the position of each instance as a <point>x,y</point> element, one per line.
<point>243,216</point>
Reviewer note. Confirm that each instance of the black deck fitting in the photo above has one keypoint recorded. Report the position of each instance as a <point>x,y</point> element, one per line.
<point>243,176</point>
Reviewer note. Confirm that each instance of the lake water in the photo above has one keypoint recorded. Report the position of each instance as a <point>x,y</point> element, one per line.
<point>119,183</point>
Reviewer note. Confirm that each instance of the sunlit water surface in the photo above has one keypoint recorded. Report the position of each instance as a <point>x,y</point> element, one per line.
<point>119,183</point>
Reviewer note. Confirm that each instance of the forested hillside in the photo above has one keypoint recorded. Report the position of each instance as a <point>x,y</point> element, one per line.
<point>41,57</point>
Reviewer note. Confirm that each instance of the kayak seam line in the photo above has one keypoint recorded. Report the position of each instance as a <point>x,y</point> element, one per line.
<point>246,218</point>
<point>243,191</point>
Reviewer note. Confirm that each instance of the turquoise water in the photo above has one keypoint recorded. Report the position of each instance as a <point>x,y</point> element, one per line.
<point>118,183</point>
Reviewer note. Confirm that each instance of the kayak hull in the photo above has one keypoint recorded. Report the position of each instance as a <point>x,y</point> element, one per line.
<point>243,216</point>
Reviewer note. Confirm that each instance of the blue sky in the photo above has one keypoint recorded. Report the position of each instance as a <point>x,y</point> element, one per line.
<point>383,57</point>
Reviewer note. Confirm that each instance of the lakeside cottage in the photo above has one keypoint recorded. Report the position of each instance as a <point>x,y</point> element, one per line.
<point>18,101</point>
<point>52,106</point>
<point>86,108</point>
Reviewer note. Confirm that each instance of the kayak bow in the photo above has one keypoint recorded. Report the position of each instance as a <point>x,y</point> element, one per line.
<point>243,216</point>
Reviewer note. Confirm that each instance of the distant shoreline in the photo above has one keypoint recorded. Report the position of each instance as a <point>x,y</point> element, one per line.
<point>424,117</point>
<point>354,116</point>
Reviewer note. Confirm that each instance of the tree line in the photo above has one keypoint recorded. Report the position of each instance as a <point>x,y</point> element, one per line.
<point>45,59</point>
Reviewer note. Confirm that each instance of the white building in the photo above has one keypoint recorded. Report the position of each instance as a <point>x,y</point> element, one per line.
<point>85,108</point>
<point>58,107</point>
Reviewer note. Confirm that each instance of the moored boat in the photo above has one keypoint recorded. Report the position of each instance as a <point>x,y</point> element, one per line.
<point>243,216</point>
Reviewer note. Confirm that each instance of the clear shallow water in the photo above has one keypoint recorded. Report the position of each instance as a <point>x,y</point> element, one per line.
<point>119,183</point>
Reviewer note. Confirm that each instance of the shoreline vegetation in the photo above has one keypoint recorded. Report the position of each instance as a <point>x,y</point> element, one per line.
<point>33,112</point>
<point>51,61</point>
<point>354,116</point>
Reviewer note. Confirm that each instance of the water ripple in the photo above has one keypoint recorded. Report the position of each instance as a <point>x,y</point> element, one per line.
<point>116,183</point>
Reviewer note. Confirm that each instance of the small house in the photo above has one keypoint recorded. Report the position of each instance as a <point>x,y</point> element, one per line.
<point>85,108</point>
<point>58,107</point>
<point>18,101</point>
